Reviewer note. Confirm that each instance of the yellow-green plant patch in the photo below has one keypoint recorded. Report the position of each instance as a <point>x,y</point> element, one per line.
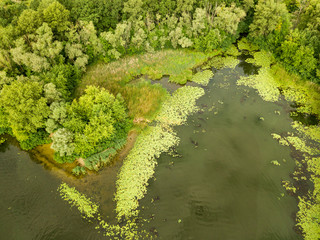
<point>84,204</point>
<point>261,58</point>
<point>203,77</point>
<point>138,168</point>
<point>264,83</point>
<point>175,109</point>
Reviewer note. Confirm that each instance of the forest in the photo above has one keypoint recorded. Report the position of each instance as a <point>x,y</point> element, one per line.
<point>51,50</point>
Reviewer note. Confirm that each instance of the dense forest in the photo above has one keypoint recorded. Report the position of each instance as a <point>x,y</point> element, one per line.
<point>46,47</point>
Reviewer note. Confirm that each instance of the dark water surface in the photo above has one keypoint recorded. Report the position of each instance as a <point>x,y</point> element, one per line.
<point>223,187</point>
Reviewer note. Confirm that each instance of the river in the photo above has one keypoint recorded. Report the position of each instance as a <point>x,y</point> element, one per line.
<point>222,186</point>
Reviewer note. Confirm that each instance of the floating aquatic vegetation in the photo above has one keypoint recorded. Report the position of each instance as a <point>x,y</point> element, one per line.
<point>264,83</point>
<point>281,140</point>
<point>79,200</point>
<point>138,168</point>
<point>289,186</point>
<point>175,109</point>
<point>89,209</point>
<point>275,162</point>
<point>203,77</point>
<point>300,145</point>
<point>313,132</point>
<point>220,62</point>
<point>230,62</point>
<point>261,58</point>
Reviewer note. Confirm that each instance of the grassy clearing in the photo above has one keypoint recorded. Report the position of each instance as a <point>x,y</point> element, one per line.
<point>143,99</point>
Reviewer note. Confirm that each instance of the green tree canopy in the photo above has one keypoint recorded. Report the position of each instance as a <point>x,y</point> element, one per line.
<point>95,117</point>
<point>269,15</point>
<point>24,106</point>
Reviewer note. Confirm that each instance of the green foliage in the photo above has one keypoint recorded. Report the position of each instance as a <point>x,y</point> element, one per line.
<point>35,139</point>
<point>209,42</point>
<point>29,21</point>
<point>228,18</point>
<point>10,10</point>
<point>269,16</point>
<point>84,204</point>
<point>305,95</point>
<point>297,56</point>
<point>77,171</point>
<point>62,142</point>
<point>57,17</point>
<point>64,77</point>
<point>24,106</point>
<point>104,14</point>
<point>93,121</point>
<point>95,161</point>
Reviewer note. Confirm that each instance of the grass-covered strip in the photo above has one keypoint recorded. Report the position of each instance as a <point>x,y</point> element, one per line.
<point>139,165</point>
<point>155,65</point>
<point>79,200</point>
<point>176,108</point>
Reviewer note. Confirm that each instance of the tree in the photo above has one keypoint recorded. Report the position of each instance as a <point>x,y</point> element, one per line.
<point>62,142</point>
<point>95,119</point>
<point>21,55</point>
<point>25,107</point>
<point>44,45</point>
<point>119,39</point>
<point>104,14</point>
<point>228,18</point>
<point>29,21</point>
<point>39,52</point>
<point>297,55</point>
<point>133,8</point>
<point>199,22</point>
<point>57,17</point>
<point>269,15</point>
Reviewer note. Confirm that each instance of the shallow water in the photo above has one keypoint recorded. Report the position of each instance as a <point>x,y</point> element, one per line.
<point>222,187</point>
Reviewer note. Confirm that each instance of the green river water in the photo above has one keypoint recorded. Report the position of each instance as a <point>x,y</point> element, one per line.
<point>222,186</point>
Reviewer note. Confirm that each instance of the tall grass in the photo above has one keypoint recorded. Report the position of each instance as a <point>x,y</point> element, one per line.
<point>143,99</point>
